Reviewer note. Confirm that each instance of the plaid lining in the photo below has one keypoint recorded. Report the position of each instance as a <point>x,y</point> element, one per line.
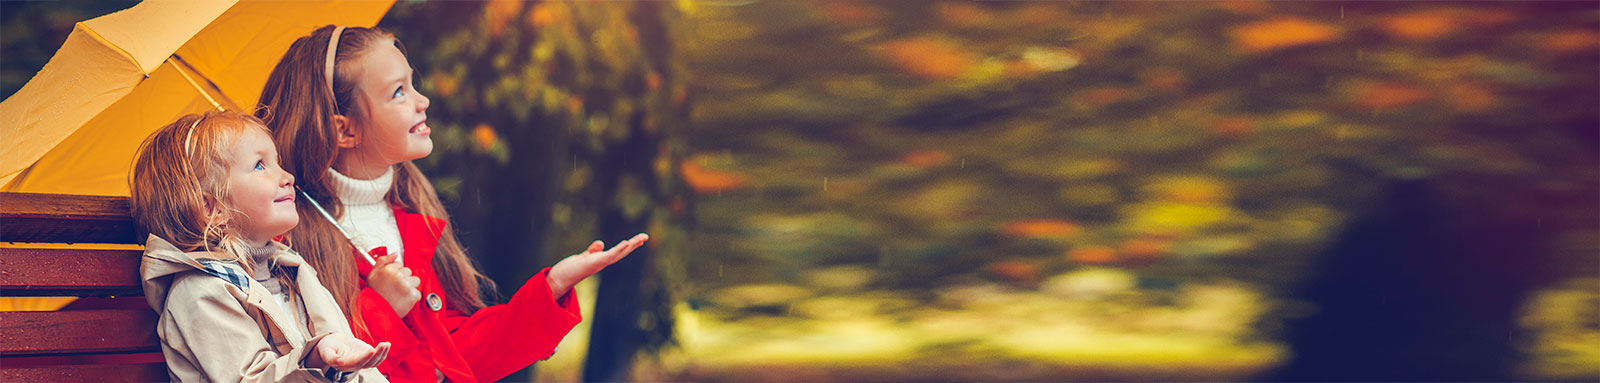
<point>228,271</point>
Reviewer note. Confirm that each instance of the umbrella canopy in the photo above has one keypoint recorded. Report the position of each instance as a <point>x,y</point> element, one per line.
<point>76,126</point>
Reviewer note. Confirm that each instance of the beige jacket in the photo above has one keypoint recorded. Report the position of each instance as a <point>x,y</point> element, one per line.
<point>218,325</point>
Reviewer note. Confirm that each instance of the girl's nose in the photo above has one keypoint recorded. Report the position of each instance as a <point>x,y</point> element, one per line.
<point>285,179</point>
<point>423,105</point>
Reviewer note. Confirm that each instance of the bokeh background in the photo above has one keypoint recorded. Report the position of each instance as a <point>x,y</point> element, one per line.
<point>1022,190</point>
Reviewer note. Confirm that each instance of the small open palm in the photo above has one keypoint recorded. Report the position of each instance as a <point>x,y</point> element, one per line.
<point>347,353</point>
<point>575,268</point>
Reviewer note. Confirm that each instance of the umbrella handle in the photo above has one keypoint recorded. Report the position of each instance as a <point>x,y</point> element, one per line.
<point>347,236</point>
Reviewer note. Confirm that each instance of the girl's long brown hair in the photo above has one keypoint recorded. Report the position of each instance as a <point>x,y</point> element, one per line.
<point>299,110</point>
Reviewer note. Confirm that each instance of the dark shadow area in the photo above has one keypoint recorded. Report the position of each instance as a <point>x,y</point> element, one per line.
<point>1421,289</point>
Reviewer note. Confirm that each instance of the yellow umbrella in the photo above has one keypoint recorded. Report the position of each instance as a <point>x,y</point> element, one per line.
<point>75,126</point>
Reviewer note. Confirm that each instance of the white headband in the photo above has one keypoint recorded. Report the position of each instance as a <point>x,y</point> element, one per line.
<point>333,47</point>
<point>188,139</point>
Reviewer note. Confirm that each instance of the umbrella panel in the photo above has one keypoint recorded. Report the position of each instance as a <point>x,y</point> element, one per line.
<point>96,159</point>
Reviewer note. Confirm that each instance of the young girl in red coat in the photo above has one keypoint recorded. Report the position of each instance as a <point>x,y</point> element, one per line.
<point>348,121</point>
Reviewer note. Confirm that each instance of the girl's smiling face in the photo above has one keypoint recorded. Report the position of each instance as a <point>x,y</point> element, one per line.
<point>261,191</point>
<point>391,122</point>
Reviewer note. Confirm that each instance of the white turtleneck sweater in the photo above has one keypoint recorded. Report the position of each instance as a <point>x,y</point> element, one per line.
<point>367,215</point>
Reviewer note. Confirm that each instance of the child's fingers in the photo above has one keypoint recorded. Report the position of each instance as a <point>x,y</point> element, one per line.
<point>622,245</point>
<point>595,247</point>
<point>382,352</point>
<point>384,261</point>
<point>394,267</point>
<point>366,361</point>
<point>622,250</point>
<point>413,282</point>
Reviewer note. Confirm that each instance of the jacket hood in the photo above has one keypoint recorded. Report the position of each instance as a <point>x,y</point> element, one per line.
<point>162,261</point>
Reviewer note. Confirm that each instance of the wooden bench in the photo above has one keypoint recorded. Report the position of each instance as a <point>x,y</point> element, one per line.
<point>109,335</point>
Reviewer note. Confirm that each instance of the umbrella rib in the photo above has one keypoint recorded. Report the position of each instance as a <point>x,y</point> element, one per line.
<point>189,73</point>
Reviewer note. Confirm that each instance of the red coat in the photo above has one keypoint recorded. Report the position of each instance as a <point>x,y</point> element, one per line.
<point>488,345</point>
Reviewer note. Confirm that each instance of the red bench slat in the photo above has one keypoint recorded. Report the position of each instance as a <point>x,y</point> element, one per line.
<point>65,218</point>
<point>84,331</point>
<point>108,373</point>
<point>69,272</point>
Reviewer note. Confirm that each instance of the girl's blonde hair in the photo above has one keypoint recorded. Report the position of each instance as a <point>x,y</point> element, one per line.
<point>179,189</point>
<point>298,107</point>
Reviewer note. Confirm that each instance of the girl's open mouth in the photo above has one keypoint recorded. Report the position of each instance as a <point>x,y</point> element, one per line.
<point>421,128</point>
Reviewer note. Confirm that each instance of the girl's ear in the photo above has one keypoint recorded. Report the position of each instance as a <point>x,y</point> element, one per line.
<point>349,137</point>
<point>214,213</point>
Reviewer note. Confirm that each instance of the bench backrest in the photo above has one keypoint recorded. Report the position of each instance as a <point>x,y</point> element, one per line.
<point>107,336</point>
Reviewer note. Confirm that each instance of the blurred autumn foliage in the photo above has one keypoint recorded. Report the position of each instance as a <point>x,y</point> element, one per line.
<point>1041,190</point>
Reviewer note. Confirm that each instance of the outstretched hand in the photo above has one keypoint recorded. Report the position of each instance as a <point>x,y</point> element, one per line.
<point>575,268</point>
<point>346,353</point>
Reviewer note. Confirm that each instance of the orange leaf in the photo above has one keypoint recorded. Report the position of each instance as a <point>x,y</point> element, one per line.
<point>680,95</point>
<point>574,105</point>
<point>1384,95</point>
<point>1016,271</point>
<point>1145,247</point>
<point>1233,125</point>
<point>1164,79</point>
<point>543,14</point>
<point>930,57</point>
<point>1102,96</point>
<point>706,181</point>
<point>925,158</point>
<point>1421,25</point>
<point>445,84</point>
<point>1280,33</point>
<point>1570,41</point>
<point>851,12</point>
<point>1092,255</point>
<point>965,15</point>
<point>1033,228</point>
<point>498,12</point>
<point>485,136</point>
<point>652,81</point>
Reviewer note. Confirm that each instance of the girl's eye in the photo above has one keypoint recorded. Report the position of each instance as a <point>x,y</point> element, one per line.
<point>260,165</point>
<point>401,91</point>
